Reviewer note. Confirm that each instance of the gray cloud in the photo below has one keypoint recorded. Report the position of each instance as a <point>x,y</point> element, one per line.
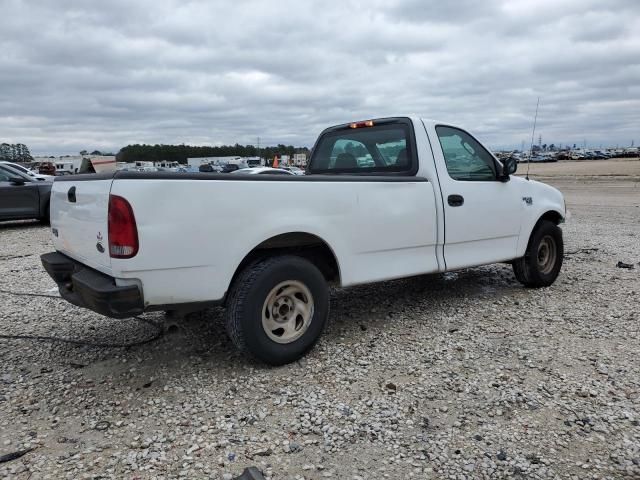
<point>79,74</point>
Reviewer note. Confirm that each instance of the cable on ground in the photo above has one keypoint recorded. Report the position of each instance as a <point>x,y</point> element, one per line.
<point>46,338</point>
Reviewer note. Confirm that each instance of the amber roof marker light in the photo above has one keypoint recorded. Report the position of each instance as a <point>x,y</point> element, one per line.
<point>366,123</point>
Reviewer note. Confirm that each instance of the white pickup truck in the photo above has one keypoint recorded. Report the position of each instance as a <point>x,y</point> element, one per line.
<point>381,199</point>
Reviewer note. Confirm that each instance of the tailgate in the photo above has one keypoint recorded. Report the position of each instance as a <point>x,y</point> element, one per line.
<point>79,214</point>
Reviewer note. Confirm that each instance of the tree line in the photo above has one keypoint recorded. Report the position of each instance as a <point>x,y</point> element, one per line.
<point>15,152</point>
<point>180,153</point>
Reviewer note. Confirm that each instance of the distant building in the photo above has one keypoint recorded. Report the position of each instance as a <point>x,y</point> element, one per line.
<point>255,161</point>
<point>300,159</point>
<point>242,162</point>
<point>167,164</point>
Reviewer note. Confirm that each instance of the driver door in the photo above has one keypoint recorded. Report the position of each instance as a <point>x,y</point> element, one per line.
<point>482,214</point>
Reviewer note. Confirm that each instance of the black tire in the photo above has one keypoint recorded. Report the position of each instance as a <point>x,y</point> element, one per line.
<point>542,261</point>
<point>249,295</point>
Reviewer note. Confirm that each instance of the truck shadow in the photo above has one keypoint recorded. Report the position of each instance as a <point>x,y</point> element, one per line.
<point>198,342</point>
<point>427,297</point>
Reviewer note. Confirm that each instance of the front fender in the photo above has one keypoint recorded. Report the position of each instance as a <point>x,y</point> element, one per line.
<point>545,200</point>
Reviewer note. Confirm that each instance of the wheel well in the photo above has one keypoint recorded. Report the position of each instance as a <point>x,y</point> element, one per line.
<point>552,216</point>
<point>305,245</point>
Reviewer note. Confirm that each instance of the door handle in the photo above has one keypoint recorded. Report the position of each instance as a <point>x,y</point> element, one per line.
<point>71,195</point>
<point>455,200</point>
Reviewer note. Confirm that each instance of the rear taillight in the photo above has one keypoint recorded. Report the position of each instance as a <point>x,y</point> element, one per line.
<point>123,232</point>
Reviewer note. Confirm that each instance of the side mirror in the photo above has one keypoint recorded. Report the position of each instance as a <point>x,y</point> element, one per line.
<point>509,167</point>
<point>17,180</point>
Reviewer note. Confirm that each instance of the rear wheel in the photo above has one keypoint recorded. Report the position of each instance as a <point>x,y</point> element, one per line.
<point>542,261</point>
<point>277,309</point>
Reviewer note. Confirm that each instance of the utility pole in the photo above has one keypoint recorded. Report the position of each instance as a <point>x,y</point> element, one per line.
<point>259,147</point>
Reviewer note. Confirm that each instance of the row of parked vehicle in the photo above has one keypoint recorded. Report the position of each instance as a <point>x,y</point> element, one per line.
<point>25,194</point>
<point>228,168</point>
<point>233,168</point>
<point>569,155</point>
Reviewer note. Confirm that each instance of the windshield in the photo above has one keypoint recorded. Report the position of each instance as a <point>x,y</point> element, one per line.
<point>20,168</point>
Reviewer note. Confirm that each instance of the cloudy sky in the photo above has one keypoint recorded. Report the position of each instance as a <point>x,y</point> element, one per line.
<point>103,74</point>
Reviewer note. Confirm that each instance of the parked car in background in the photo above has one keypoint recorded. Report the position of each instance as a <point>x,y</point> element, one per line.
<point>262,171</point>
<point>22,197</point>
<point>293,170</point>
<point>187,169</point>
<point>230,167</point>
<point>26,171</point>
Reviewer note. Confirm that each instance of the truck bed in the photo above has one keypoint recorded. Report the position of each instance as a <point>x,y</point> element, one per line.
<point>196,229</point>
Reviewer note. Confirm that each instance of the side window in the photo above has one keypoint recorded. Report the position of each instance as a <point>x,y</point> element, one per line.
<point>3,177</point>
<point>466,159</point>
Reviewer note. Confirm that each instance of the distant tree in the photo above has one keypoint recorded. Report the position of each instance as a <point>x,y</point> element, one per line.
<point>15,152</point>
<point>22,153</point>
<point>5,152</point>
<point>552,147</point>
<point>180,153</point>
<point>95,152</point>
<point>84,152</point>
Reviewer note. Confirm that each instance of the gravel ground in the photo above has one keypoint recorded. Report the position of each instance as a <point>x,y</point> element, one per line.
<point>463,375</point>
<point>614,167</point>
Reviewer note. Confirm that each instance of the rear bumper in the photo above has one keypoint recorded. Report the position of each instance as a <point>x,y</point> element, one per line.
<point>88,288</point>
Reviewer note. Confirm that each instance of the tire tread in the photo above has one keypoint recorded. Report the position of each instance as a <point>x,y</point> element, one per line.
<point>238,293</point>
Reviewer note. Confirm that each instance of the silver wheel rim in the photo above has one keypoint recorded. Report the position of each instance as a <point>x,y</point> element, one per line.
<point>546,254</point>
<point>287,311</point>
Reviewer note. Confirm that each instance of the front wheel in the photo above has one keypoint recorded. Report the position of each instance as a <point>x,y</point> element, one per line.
<point>277,309</point>
<point>542,261</point>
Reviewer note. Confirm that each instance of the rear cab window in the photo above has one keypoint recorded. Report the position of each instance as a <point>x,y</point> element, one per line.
<point>374,147</point>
